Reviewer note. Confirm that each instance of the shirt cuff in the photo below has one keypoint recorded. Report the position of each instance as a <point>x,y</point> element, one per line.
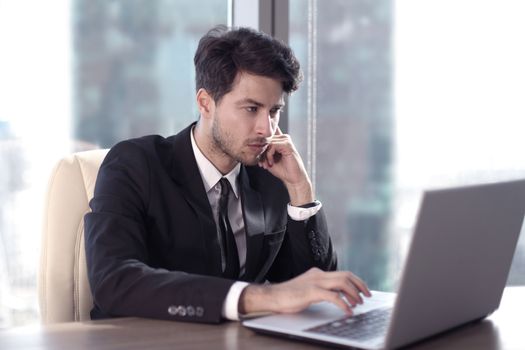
<point>300,214</point>
<point>230,308</point>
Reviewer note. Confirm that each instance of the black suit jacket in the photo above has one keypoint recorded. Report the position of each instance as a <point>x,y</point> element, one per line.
<point>151,241</point>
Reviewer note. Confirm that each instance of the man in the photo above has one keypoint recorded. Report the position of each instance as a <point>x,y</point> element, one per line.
<point>181,225</point>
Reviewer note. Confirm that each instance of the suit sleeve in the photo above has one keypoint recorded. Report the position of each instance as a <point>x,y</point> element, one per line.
<point>306,244</point>
<point>122,280</point>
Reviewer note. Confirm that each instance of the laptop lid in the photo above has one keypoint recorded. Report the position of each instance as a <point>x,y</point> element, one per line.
<point>455,272</point>
<point>459,259</point>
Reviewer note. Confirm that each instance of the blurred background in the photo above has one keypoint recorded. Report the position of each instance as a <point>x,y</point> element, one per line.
<point>398,96</point>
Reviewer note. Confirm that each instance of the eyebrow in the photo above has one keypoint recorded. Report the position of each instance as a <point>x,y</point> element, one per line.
<point>258,104</point>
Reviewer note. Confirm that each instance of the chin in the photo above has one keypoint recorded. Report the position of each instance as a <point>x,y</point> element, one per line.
<point>249,161</point>
<point>252,162</point>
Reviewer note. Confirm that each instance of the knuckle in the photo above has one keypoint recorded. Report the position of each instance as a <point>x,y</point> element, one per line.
<point>314,270</point>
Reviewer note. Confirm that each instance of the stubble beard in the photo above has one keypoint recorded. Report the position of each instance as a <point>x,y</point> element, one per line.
<point>223,142</point>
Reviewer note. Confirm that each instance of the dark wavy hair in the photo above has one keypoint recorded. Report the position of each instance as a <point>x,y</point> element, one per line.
<point>223,52</point>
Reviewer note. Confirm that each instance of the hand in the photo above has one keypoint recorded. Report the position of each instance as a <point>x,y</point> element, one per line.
<point>298,293</point>
<point>283,161</point>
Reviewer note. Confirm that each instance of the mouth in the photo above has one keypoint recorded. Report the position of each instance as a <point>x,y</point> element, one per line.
<point>258,147</point>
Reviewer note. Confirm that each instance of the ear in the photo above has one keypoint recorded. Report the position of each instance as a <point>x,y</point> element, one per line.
<point>205,103</point>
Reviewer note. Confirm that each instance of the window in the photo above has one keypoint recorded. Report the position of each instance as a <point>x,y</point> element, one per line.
<point>400,98</point>
<point>84,74</point>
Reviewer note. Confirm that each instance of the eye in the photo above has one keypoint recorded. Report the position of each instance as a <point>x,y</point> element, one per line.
<point>252,109</point>
<point>274,112</point>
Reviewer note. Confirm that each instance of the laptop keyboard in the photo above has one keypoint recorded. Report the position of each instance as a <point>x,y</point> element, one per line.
<point>361,327</point>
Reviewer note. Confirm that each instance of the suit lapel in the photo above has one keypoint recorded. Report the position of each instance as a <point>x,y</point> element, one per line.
<point>253,213</point>
<point>185,172</point>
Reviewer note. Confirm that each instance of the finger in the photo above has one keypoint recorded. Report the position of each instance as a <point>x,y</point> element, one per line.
<point>337,281</point>
<point>262,164</point>
<point>345,287</point>
<point>335,298</point>
<point>281,145</point>
<point>348,283</point>
<point>261,158</point>
<point>355,280</point>
<point>361,285</point>
<point>280,138</point>
<point>270,151</point>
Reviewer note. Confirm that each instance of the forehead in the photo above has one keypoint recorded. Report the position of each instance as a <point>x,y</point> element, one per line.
<point>267,91</point>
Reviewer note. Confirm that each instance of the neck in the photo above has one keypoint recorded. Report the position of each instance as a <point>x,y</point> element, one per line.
<point>217,157</point>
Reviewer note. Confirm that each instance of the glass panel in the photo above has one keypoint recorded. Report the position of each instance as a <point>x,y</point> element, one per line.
<point>133,66</point>
<point>451,116</point>
<point>84,74</point>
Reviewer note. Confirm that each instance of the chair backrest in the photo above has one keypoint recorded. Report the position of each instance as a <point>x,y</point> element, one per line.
<point>63,288</point>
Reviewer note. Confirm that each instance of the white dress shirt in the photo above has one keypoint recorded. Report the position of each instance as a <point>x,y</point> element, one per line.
<point>211,177</point>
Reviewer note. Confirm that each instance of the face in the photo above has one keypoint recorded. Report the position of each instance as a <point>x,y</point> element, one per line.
<point>246,118</point>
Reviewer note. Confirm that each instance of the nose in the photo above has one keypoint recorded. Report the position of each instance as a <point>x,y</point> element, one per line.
<point>264,126</point>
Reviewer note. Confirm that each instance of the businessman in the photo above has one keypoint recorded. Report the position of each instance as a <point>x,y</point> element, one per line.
<point>219,220</point>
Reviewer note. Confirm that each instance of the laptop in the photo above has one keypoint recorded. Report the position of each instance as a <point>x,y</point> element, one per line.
<point>455,272</point>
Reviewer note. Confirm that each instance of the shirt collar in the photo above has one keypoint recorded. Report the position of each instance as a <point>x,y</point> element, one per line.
<point>209,173</point>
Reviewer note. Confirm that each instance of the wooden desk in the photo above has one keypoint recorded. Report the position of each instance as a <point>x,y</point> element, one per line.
<point>500,331</point>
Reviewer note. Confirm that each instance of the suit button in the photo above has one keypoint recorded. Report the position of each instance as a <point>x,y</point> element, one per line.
<point>182,311</point>
<point>173,310</point>
<point>190,310</point>
<point>199,311</point>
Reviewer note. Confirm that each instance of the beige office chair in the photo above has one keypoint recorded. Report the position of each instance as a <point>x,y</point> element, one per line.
<point>63,287</point>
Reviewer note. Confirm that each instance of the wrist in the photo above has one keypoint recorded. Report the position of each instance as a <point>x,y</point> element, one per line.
<point>300,194</point>
<point>230,307</point>
<point>254,299</point>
